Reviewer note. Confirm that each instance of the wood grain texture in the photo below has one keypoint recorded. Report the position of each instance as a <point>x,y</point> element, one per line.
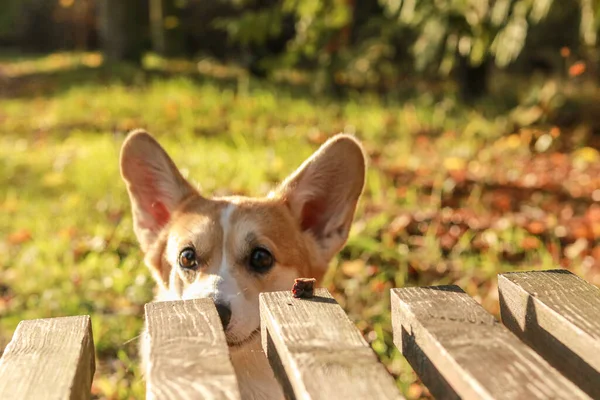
<point>317,352</point>
<point>557,314</point>
<point>461,351</point>
<point>188,354</point>
<point>49,359</point>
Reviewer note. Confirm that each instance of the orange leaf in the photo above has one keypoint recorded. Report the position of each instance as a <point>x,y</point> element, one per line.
<point>19,237</point>
<point>595,227</point>
<point>415,391</point>
<point>577,69</point>
<point>536,227</point>
<point>378,286</point>
<point>353,268</point>
<point>530,243</point>
<point>596,252</point>
<point>372,270</point>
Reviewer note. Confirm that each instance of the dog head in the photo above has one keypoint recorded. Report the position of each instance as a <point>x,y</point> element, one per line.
<point>233,248</point>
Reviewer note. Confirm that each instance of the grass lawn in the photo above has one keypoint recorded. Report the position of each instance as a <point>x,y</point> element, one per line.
<point>454,194</point>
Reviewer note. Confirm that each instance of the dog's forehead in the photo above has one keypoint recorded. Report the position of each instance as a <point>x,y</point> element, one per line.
<point>237,207</point>
<point>238,216</point>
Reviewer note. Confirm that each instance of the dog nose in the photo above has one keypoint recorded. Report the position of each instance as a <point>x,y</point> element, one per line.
<point>224,313</point>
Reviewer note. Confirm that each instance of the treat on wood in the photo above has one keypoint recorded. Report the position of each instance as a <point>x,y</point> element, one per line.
<point>304,288</point>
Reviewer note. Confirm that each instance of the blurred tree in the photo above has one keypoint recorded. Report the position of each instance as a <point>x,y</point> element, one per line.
<point>544,50</point>
<point>198,22</point>
<point>123,29</point>
<point>166,28</point>
<point>262,28</point>
<point>348,43</point>
<point>323,35</point>
<point>365,42</point>
<point>326,35</point>
<point>468,35</point>
<point>48,25</point>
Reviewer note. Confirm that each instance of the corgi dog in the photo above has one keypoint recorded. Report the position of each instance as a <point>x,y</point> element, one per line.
<point>230,249</point>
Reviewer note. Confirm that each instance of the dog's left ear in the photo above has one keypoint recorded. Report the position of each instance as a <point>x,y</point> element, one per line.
<point>323,192</point>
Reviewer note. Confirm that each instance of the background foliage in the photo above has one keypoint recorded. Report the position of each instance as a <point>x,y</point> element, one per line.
<point>356,43</point>
<point>479,119</point>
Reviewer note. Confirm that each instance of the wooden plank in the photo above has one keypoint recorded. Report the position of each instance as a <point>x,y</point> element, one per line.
<point>558,314</point>
<point>316,352</point>
<point>49,359</point>
<point>461,351</point>
<point>188,354</point>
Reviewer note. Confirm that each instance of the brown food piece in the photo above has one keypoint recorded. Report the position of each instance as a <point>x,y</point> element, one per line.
<point>304,288</point>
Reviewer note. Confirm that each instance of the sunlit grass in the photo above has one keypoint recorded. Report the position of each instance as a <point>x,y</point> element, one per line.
<point>66,240</point>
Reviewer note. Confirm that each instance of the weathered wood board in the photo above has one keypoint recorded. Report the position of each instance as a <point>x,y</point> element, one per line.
<point>317,353</point>
<point>188,354</point>
<point>461,351</point>
<point>49,359</point>
<point>557,314</point>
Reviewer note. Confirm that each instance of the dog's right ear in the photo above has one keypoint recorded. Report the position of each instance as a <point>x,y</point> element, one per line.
<point>154,183</point>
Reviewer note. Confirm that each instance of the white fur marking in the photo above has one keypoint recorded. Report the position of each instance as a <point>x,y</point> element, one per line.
<point>226,288</point>
<point>225,223</point>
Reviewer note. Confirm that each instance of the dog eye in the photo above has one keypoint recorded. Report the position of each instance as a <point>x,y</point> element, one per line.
<point>187,258</point>
<point>261,260</point>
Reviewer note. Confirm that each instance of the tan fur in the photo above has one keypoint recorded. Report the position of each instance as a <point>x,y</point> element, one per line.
<point>303,224</point>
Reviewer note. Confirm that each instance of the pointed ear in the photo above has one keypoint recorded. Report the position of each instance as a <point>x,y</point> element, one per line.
<point>154,184</point>
<point>323,192</point>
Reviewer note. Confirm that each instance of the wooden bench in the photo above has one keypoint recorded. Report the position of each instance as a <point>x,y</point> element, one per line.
<point>454,345</point>
<point>189,357</point>
<point>558,315</point>
<point>317,353</point>
<point>49,359</point>
<point>461,351</point>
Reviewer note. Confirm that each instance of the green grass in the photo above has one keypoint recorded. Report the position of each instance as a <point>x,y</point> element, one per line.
<point>66,240</point>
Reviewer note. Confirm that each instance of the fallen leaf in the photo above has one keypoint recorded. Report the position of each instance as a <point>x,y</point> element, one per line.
<point>530,243</point>
<point>577,69</point>
<point>378,286</point>
<point>18,237</point>
<point>414,391</point>
<point>353,268</point>
<point>587,155</point>
<point>536,227</point>
<point>454,163</point>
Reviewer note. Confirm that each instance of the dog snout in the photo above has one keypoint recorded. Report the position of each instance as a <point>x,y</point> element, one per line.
<point>224,311</point>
